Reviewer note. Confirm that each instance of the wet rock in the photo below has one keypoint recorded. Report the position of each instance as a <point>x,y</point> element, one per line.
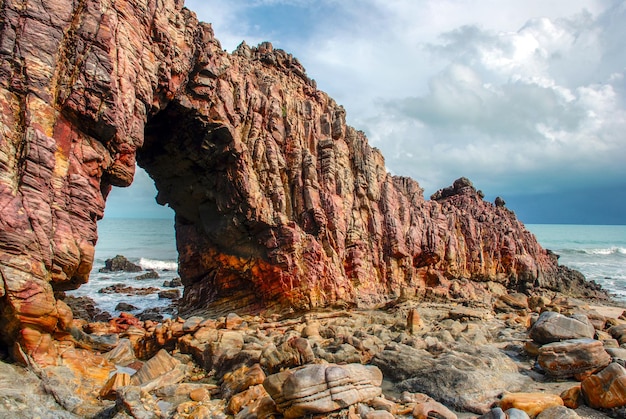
<point>151,274</point>
<point>120,263</point>
<point>606,389</point>
<point>169,294</point>
<point>531,403</point>
<point>85,308</point>
<point>554,327</point>
<point>127,290</point>
<point>573,357</point>
<point>176,282</point>
<point>317,389</point>
<point>125,307</point>
<point>619,333</point>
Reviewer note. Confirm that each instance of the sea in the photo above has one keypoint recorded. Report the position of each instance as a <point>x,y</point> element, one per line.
<point>598,251</point>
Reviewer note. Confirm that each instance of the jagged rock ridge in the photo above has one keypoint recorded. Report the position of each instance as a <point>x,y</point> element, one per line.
<point>277,200</point>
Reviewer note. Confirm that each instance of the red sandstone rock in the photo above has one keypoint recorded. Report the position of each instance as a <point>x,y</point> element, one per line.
<point>278,202</point>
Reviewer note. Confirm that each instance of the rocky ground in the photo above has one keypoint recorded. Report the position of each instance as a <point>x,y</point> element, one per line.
<point>542,357</point>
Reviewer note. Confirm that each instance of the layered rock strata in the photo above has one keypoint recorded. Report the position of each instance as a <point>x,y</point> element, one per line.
<point>277,200</point>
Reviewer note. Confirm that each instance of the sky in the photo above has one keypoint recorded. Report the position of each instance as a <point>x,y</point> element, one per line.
<point>525,98</point>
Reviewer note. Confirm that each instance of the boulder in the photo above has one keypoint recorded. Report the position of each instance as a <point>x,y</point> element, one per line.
<point>319,389</point>
<point>511,302</point>
<point>172,294</point>
<point>606,389</point>
<point>464,377</point>
<point>555,327</point>
<point>293,353</point>
<point>151,274</point>
<point>120,263</point>
<point>573,357</point>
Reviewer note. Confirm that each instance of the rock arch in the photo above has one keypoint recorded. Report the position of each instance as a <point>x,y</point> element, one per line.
<point>278,202</point>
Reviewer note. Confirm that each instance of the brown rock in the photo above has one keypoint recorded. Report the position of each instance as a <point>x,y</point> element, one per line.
<point>571,357</point>
<point>572,397</point>
<point>511,302</point>
<point>414,321</point>
<point>199,394</point>
<point>239,401</point>
<point>531,403</point>
<point>606,389</point>
<point>242,379</point>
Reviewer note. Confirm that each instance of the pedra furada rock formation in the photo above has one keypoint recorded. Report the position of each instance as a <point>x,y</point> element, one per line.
<point>278,202</point>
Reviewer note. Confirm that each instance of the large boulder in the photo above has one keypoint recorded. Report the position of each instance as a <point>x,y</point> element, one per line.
<point>323,388</point>
<point>606,389</point>
<point>554,327</point>
<point>573,357</point>
<point>465,377</point>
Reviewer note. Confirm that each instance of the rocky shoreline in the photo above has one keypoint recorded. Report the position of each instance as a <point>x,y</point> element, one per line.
<point>548,353</point>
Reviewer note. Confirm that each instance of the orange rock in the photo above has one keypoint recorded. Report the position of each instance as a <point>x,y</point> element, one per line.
<point>414,321</point>
<point>199,394</point>
<point>118,380</point>
<point>241,379</point>
<point>572,397</point>
<point>245,398</point>
<point>531,403</point>
<point>432,408</point>
<point>606,389</point>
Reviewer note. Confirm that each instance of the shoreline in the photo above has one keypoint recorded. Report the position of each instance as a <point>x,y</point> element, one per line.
<point>401,340</point>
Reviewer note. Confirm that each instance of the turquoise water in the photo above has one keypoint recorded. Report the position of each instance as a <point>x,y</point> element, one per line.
<point>599,252</point>
<point>150,243</point>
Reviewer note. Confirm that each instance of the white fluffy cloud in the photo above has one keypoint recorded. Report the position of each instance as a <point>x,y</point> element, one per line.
<point>521,97</point>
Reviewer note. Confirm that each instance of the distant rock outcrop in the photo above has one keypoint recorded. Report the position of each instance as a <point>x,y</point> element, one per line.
<point>278,202</point>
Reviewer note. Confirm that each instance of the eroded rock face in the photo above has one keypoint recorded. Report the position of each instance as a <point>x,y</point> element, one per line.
<point>277,200</point>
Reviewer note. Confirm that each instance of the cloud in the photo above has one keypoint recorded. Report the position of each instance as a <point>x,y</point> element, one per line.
<point>521,97</point>
<point>517,111</point>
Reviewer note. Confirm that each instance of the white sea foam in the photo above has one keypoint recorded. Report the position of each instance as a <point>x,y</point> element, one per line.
<point>158,265</point>
<point>606,251</point>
